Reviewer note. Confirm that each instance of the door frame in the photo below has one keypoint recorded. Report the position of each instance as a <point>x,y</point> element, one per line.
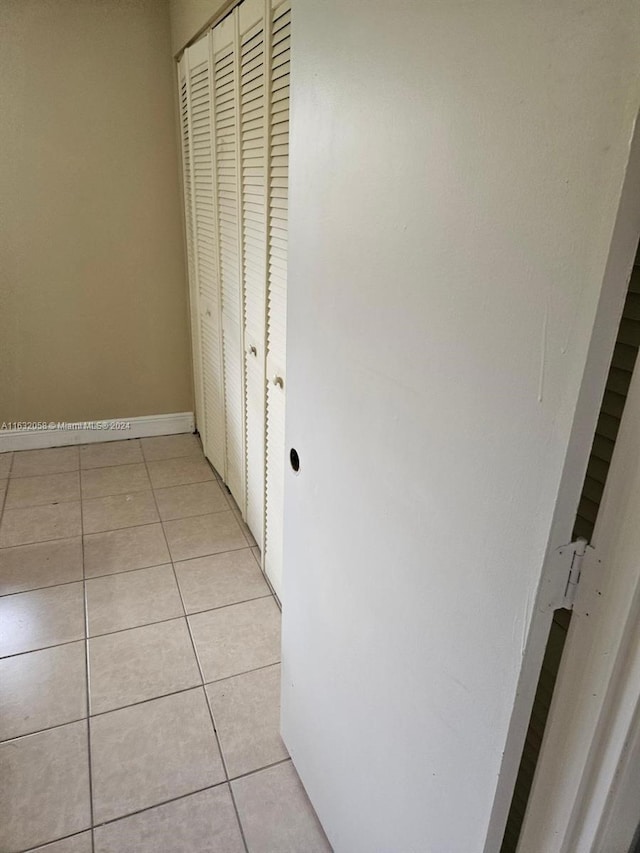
<point>580,800</point>
<point>624,241</point>
<point>574,791</point>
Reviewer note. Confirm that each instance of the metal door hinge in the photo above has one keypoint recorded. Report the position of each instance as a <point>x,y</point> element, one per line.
<point>579,548</point>
<point>569,569</point>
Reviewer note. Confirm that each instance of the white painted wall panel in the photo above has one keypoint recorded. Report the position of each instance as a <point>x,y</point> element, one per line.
<point>455,173</point>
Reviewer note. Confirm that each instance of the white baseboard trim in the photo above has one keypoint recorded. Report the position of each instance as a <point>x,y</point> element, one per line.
<point>55,434</point>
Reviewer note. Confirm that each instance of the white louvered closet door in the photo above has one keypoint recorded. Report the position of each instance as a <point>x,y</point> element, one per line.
<point>204,274</point>
<point>254,202</point>
<point>185,135</point>
<point>234,110</point>
<point>228,176</point>
<point>277,286</point>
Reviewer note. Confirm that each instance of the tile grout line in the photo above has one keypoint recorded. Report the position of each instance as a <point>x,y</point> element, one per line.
<point>94,445</point>
<point>38,505</point>
<point>122,571</point>
<point>42,476</point>
<point>87,667</point>
<point>55,840</point>
<point>45,648</point>
<point>149,488</point>
<point>132,627</point>
<point>172,618</point>
<point>98,467</point>
<point>127,527</point>
<point>37,449</point>
<point>206,695</point>
<point>228,778</point>
<point>218,742</point>
<point>45,729</point>
<point>200,670</point>
<point>112,495</point>
<point>143,702</point>
<point>6,490</point>
<point>157,805</point>
<point>87,658</point>
<point>234,508</point>
<point>175,799</point>
<point>260,769</point>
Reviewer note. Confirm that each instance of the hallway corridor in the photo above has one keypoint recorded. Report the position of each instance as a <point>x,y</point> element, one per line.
<point>139,670</point>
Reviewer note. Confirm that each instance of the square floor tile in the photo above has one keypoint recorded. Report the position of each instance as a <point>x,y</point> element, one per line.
<point>80,843</point>
<point>47,489</point>
<point>54,460</point>
<point>120,452</point>
<point>246,710</point>
<point>127,600</point>
<point>139,664</point>
<point>276,814</point>
<point>114,480</point>
<point>44,617</point>
<point>150,753</point>
<point>170,446</point>
<point>40,564</point>
<point>238,638</point>
<point>220,579</point>
<point>117,511</point>
<point>178,472</point>
<point>42,689</point>
<point>44,787</point>
<point>203,534</point>
<point>121,550</point>
<point>200,823</point>
<point>5,464</point>
<point>193,499</point>
<point>40,523</point>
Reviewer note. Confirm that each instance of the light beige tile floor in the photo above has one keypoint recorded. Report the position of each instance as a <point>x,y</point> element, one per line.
<point>139,661</point>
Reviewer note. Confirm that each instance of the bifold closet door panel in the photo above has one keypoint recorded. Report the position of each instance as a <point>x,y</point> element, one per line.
<point>227,173</point>
<point>277,286</point>
<point>187,185</point>
<point>206,261</point>
<point>253,163</point>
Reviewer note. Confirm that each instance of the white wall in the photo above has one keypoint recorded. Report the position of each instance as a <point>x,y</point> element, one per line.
<point>455,176</point>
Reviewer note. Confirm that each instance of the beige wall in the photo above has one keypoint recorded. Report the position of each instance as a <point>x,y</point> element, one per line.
<point>93,313</point>
<point>188,17</point>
